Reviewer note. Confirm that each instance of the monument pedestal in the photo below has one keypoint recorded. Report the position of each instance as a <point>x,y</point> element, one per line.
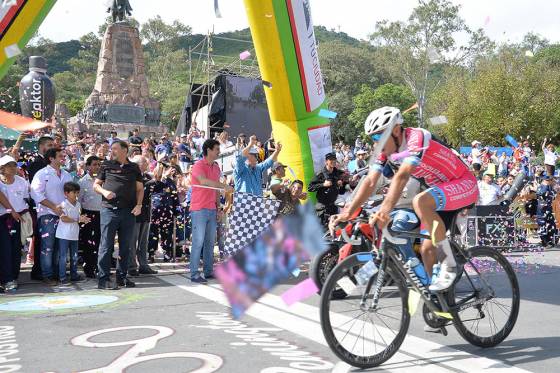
<point>121,94</point>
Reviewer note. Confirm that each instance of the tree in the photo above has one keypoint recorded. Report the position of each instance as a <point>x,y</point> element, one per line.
<point>78,82</point>
<point>75,106</point>
<point>9,89</point>
<point>386,95</point>
<point>168,81</point>
<point>534,43</point>
<point>345,69</point>
<point>508,95</point>
<point>549,56</point>
<point>160,36</point>
<point>428,37</point>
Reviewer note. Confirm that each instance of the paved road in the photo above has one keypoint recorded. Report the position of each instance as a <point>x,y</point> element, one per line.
<point>168,325</point>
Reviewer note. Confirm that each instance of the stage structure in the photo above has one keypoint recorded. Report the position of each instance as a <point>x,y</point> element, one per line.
<point>225,92</point>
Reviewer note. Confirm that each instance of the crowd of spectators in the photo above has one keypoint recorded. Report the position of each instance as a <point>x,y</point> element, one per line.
<point>168,200</point>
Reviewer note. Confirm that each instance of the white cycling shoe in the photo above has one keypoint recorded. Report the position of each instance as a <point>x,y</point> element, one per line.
<point>444,280</point>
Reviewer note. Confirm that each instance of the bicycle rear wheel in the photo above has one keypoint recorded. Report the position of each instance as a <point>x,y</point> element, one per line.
<point>360,337</point>
<point>489,281</point>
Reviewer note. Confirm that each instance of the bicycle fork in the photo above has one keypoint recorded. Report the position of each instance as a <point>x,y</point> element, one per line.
<point>376,290</point>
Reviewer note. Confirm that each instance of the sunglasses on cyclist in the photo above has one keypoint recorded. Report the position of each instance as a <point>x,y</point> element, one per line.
<point>375,137</point>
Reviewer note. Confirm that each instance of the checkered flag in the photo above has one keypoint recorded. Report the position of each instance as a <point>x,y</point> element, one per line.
<point>251,215</point>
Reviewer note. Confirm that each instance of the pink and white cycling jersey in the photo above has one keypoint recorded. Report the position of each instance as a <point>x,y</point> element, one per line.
<point>435,162</point>
<point>440,168</point>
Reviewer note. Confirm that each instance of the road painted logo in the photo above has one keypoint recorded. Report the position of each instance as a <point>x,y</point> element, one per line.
<point>56,303</point>
<point>136,354</point>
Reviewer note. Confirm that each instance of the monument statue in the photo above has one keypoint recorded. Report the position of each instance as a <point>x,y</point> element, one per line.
<point>119,9</point>
<point>121,95</point>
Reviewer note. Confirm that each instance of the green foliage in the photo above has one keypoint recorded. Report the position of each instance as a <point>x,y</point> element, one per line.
<point>549,55</point>
<point>160,37</point>
<point>427,38</point>
<point>324,35</point>
<point>509,94</point>
<point>345,69</point>
<point>75,106</point>
<point>484,93</point>
<point>388,94</point>
<point>168,79</point>
<point>9,90</point>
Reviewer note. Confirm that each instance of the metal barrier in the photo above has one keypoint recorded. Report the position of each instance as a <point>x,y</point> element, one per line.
<point>491,226</point>
<point>492,230</point>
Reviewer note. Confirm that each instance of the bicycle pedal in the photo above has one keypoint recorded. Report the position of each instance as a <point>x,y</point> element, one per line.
<point>444,331</point>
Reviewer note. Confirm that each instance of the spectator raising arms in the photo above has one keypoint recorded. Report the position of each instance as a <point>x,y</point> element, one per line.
<point>248,173</point>
<point>550,158</point>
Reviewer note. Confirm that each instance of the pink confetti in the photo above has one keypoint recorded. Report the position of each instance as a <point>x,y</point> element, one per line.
<point>45,235</point>
<point>299,292</point>
<point>244,55</point>
<point>487,21</point>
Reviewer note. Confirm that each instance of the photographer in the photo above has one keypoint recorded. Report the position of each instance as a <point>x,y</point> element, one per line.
<point>329,184</point>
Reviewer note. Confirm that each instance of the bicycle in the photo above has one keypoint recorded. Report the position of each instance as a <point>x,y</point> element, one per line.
<point>469,304</point>
<point>339,247</point>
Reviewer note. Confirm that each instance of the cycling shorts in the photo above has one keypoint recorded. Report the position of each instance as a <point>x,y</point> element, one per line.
<point>455,194</point>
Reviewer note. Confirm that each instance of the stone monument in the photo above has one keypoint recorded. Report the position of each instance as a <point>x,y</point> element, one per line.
<point>121,96</point>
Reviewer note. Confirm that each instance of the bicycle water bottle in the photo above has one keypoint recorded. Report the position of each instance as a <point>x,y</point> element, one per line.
<point>365,273</point>
<point>435,271</point>
<point>419,270</point>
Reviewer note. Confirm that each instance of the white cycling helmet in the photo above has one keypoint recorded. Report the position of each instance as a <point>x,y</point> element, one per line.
<point>381,119</point>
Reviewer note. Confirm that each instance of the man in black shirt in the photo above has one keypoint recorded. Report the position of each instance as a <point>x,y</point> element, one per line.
<point>329,183</point>
<point>135,139</point>
<point>39,162</point>
<point>120,184</point>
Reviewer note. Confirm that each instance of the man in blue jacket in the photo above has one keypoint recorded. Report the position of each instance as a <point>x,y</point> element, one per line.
<point>248,173</point>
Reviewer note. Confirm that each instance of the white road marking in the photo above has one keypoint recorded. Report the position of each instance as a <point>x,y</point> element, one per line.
<point>302,319</point>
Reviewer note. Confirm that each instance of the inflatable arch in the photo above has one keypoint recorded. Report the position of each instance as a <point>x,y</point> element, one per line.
<point>286,49</point>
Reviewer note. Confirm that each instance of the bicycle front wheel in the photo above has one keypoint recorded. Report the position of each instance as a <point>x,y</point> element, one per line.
<point>361,337</point>
<point>487,297</point>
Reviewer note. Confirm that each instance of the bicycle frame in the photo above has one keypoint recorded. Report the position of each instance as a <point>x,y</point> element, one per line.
<point>390,251</point>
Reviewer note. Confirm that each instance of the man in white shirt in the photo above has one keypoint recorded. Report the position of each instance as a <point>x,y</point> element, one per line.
<point>16,190</point>
<point>47,190</point>
<point>489,193</point>
<point>476,156</point>
<point>90,233</point>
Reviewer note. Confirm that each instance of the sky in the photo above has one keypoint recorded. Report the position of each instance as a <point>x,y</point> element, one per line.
<point>502,20</point>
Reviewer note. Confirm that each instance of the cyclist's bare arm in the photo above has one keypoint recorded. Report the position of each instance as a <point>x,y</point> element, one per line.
<point>398,183</point>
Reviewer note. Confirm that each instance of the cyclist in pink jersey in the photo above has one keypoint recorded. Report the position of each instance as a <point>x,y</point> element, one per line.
<point>413,152</point>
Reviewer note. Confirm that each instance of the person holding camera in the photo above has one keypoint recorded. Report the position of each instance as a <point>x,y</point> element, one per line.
<point>329,183</point>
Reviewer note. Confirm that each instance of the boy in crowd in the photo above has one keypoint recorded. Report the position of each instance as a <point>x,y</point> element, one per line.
<point>68,231</point>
